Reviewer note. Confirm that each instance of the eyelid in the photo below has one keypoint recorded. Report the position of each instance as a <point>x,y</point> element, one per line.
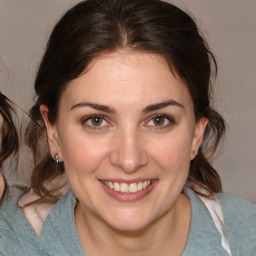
<point>87,118</point>
<point>170,119</point>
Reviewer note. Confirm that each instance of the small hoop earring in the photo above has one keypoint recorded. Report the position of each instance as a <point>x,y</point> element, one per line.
<point>56,158</point>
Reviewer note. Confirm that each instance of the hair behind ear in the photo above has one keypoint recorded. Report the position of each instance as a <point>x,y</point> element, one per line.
<point>46,172</point>
<point>202,174</point>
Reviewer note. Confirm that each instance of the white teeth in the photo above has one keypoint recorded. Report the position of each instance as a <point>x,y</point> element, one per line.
<point>133,188</point>
<point>140,186</point>
<point>127,188</point>
<point>110,184</point>
<point>144,184</point>
<point>116,187</point>
<point>124,188</point>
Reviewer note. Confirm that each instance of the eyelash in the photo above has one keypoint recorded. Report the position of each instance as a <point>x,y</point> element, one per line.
<point>103,118</point>
<point>91,126</point>
<point>167,118</point>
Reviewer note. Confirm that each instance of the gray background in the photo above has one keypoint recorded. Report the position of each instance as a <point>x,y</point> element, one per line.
<point>228,25</point>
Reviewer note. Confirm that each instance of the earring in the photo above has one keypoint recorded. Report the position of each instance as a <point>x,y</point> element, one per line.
<point>56,158</point>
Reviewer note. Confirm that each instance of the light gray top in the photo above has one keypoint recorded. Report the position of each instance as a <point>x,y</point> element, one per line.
<point>59,234</point>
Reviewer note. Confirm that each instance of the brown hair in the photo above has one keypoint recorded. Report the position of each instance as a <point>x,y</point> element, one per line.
<point>8,132</point>
<point>94,27</point>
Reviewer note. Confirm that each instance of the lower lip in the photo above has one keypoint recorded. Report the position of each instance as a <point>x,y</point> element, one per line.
<point>129,197</point>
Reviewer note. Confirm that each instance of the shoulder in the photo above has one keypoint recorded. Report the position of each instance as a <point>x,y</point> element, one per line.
<point>240,223</point>
<point>237,210</point>
<point>229,201</point>
<point>9,242</point>
<point>17,236</point>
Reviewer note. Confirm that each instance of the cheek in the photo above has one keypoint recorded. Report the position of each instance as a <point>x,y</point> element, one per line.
<point>172,153</point>
<point>82,154</point>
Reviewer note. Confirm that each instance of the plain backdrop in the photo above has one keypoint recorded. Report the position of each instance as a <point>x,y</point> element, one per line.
<point>230,29</point>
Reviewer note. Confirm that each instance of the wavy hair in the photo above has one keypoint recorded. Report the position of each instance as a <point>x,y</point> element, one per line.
<point>8,133</point>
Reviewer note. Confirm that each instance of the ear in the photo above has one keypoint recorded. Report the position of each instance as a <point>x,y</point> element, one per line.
<point>198,136</point>
<point>52,133</point>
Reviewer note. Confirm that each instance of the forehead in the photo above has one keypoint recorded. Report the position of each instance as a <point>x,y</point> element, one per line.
<point>127,77</point>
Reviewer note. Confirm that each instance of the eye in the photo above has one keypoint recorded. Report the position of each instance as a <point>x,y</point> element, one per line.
<point>160,121</point>
<point>95,121</point>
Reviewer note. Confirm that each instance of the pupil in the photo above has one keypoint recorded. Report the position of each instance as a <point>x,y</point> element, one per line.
<point>158,120</point>
<point>96,121</point>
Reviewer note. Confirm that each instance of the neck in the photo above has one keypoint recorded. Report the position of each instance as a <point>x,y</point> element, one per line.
<point>167,234</point>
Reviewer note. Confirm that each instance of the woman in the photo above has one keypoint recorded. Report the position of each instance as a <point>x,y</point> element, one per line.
<point>8,136</point>
<point>123,93</point>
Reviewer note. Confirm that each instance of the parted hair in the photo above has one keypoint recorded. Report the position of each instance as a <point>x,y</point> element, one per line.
<point>95,27</point>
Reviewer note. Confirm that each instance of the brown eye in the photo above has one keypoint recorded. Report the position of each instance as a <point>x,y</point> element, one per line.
<point>96,120</point>
<point>159,120</point>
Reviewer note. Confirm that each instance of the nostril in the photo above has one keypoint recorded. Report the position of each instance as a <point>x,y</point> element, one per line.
<point>127,152</point>
<point>131,165</point>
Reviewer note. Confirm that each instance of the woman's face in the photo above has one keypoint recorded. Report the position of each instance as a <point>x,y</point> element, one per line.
<point>126,124</point>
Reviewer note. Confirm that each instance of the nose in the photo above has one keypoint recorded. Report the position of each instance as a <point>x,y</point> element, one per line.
<point>129,153</point>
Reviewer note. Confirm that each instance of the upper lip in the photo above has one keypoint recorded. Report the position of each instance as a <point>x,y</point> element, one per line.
<point>129,181</point>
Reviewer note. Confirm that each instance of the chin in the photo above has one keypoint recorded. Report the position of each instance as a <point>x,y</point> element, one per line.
<point>127,221</point>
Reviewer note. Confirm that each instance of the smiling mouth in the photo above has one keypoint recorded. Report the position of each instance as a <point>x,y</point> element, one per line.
<point>127,188</point>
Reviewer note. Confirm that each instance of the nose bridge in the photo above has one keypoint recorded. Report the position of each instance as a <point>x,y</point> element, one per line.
<point>128,152</point>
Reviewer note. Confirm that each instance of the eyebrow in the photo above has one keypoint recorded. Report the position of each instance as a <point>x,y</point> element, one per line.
<point>161,105</point>
<point>94,106</point>
<point>110,110</point>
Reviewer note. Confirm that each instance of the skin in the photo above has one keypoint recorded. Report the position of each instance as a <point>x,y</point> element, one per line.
<point>129,144</point>
<point>2,185</point>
